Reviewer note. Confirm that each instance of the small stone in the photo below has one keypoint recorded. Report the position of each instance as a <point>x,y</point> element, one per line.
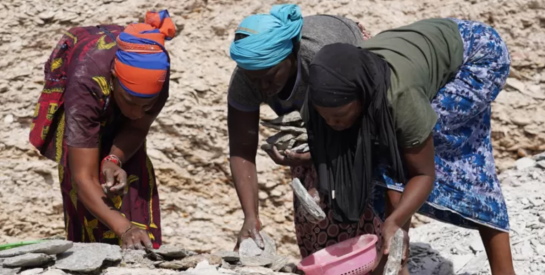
<point>49,247</point>
<point>34,271</point>
<point>541,164</point>
<point>542,219</point>
<point>28,260</point>
<point>171,252</point>
<point>138,271</point>
<point>54,272</point>
<point>256,260</point>
<point>516,84</point>
<point>8,119</point>
<point>228,256</point>
<point>525,163</point>
<point>88,257</point>
<point>249,248</point>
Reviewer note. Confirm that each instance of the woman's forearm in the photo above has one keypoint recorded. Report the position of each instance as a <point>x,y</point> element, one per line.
<point>416,193</point>
<point>92,196</point>
<point>127,142</point>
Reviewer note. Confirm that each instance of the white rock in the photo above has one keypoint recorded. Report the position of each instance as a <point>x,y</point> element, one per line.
<point>525,163</point>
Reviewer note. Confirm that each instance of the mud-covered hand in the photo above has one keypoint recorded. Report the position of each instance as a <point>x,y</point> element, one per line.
<point>389,229</point>
<point>290,158</point>
<point>115,178</point>
<point>250,229</point>
<point>135,238</point>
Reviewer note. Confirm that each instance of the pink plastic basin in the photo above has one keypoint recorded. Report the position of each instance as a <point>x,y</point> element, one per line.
<point>354,256</point>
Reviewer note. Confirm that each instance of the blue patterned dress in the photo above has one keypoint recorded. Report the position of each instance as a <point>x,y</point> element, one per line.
<point>467,192</point>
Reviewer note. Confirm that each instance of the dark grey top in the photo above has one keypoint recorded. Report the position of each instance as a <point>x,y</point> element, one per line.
<point>318,31</point>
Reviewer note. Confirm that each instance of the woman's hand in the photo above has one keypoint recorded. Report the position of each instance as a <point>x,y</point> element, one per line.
<point>135,238</point>
<point>389,228</point>
<point>250,229</point>
<point>115,179</point>
<point>290,158</point>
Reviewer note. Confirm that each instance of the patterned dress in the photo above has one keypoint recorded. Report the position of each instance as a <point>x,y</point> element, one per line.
<point>467,192</point>
<point>75,109</point>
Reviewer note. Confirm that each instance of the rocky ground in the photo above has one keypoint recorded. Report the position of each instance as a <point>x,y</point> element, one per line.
<point>188,143</point>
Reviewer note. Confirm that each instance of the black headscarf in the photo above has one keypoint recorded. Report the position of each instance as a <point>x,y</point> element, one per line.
<point>345,160</point>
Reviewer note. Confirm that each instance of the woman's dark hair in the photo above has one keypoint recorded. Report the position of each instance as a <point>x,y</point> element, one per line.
<point>296,42</point>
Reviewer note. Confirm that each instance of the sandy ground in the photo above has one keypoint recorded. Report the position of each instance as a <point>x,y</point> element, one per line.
<point>188,143</point>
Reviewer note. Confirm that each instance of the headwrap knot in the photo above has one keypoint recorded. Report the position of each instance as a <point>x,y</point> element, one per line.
<point>270,37</point>
<point>142,62</point>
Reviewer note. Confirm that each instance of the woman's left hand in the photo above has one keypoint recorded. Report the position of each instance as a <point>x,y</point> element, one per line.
<point>389,228</point>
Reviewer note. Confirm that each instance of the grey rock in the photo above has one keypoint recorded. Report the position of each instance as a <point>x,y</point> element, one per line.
<point>256,260</point>
<point>88,257</point>
<point>280,138</point>
<point>133,256</point>
<point>279,262</point>
<point>49,247</point>
<point>9,271</point>
<point>172,252</point>
<point>228,256</point>
<point>307,202</point>
<point>54,272</point>
<point>525,163</point>
<point>393,265</point>
<point>294,116</point>
<point>191,262</point>
<point>270,245</point>
<point>249,248</point>
<point>34,271</point>
<point>28,260</point>
<point>138,271</point>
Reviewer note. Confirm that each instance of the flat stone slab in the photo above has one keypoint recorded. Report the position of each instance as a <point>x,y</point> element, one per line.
<point>270,245</point>
<point>9,271</point>
<point>28,260</point>
<point>228,256</point>
<point>88,257</point>
<point>279,263</point>
<point>34,271</point>
<point>172,252</point>
<point>257,260</point>
<point>48,247</point>
<point>191,262</point>
<point>138,271</point>
<point>54,272</point>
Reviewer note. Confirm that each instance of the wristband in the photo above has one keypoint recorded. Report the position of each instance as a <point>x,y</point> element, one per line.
<point>111,158</point>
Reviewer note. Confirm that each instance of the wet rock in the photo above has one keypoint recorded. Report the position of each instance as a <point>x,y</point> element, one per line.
<point>28,260</point>
<point>48,247</point>
<point>228,256</point>
<point>88,257</point>
<point>256,260</point>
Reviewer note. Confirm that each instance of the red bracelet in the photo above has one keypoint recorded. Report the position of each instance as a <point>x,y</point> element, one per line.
<point>111,158</point>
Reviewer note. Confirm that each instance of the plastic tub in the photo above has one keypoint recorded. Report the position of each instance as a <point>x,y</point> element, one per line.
<point>354,256</point>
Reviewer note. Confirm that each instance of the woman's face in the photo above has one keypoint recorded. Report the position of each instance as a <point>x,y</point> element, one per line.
<point>341,118</point>
<point>131,106</point>
<point>271,81</point>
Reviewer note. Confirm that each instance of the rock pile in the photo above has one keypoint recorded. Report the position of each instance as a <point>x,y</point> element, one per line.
<point>64,257</point>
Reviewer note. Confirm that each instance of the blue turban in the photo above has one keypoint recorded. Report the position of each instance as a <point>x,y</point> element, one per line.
<point>270,37</point>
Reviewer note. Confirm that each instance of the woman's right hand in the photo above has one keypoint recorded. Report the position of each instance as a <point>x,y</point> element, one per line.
<point>250,229</point>
<point>135,238</point>
<point>290,158</point>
